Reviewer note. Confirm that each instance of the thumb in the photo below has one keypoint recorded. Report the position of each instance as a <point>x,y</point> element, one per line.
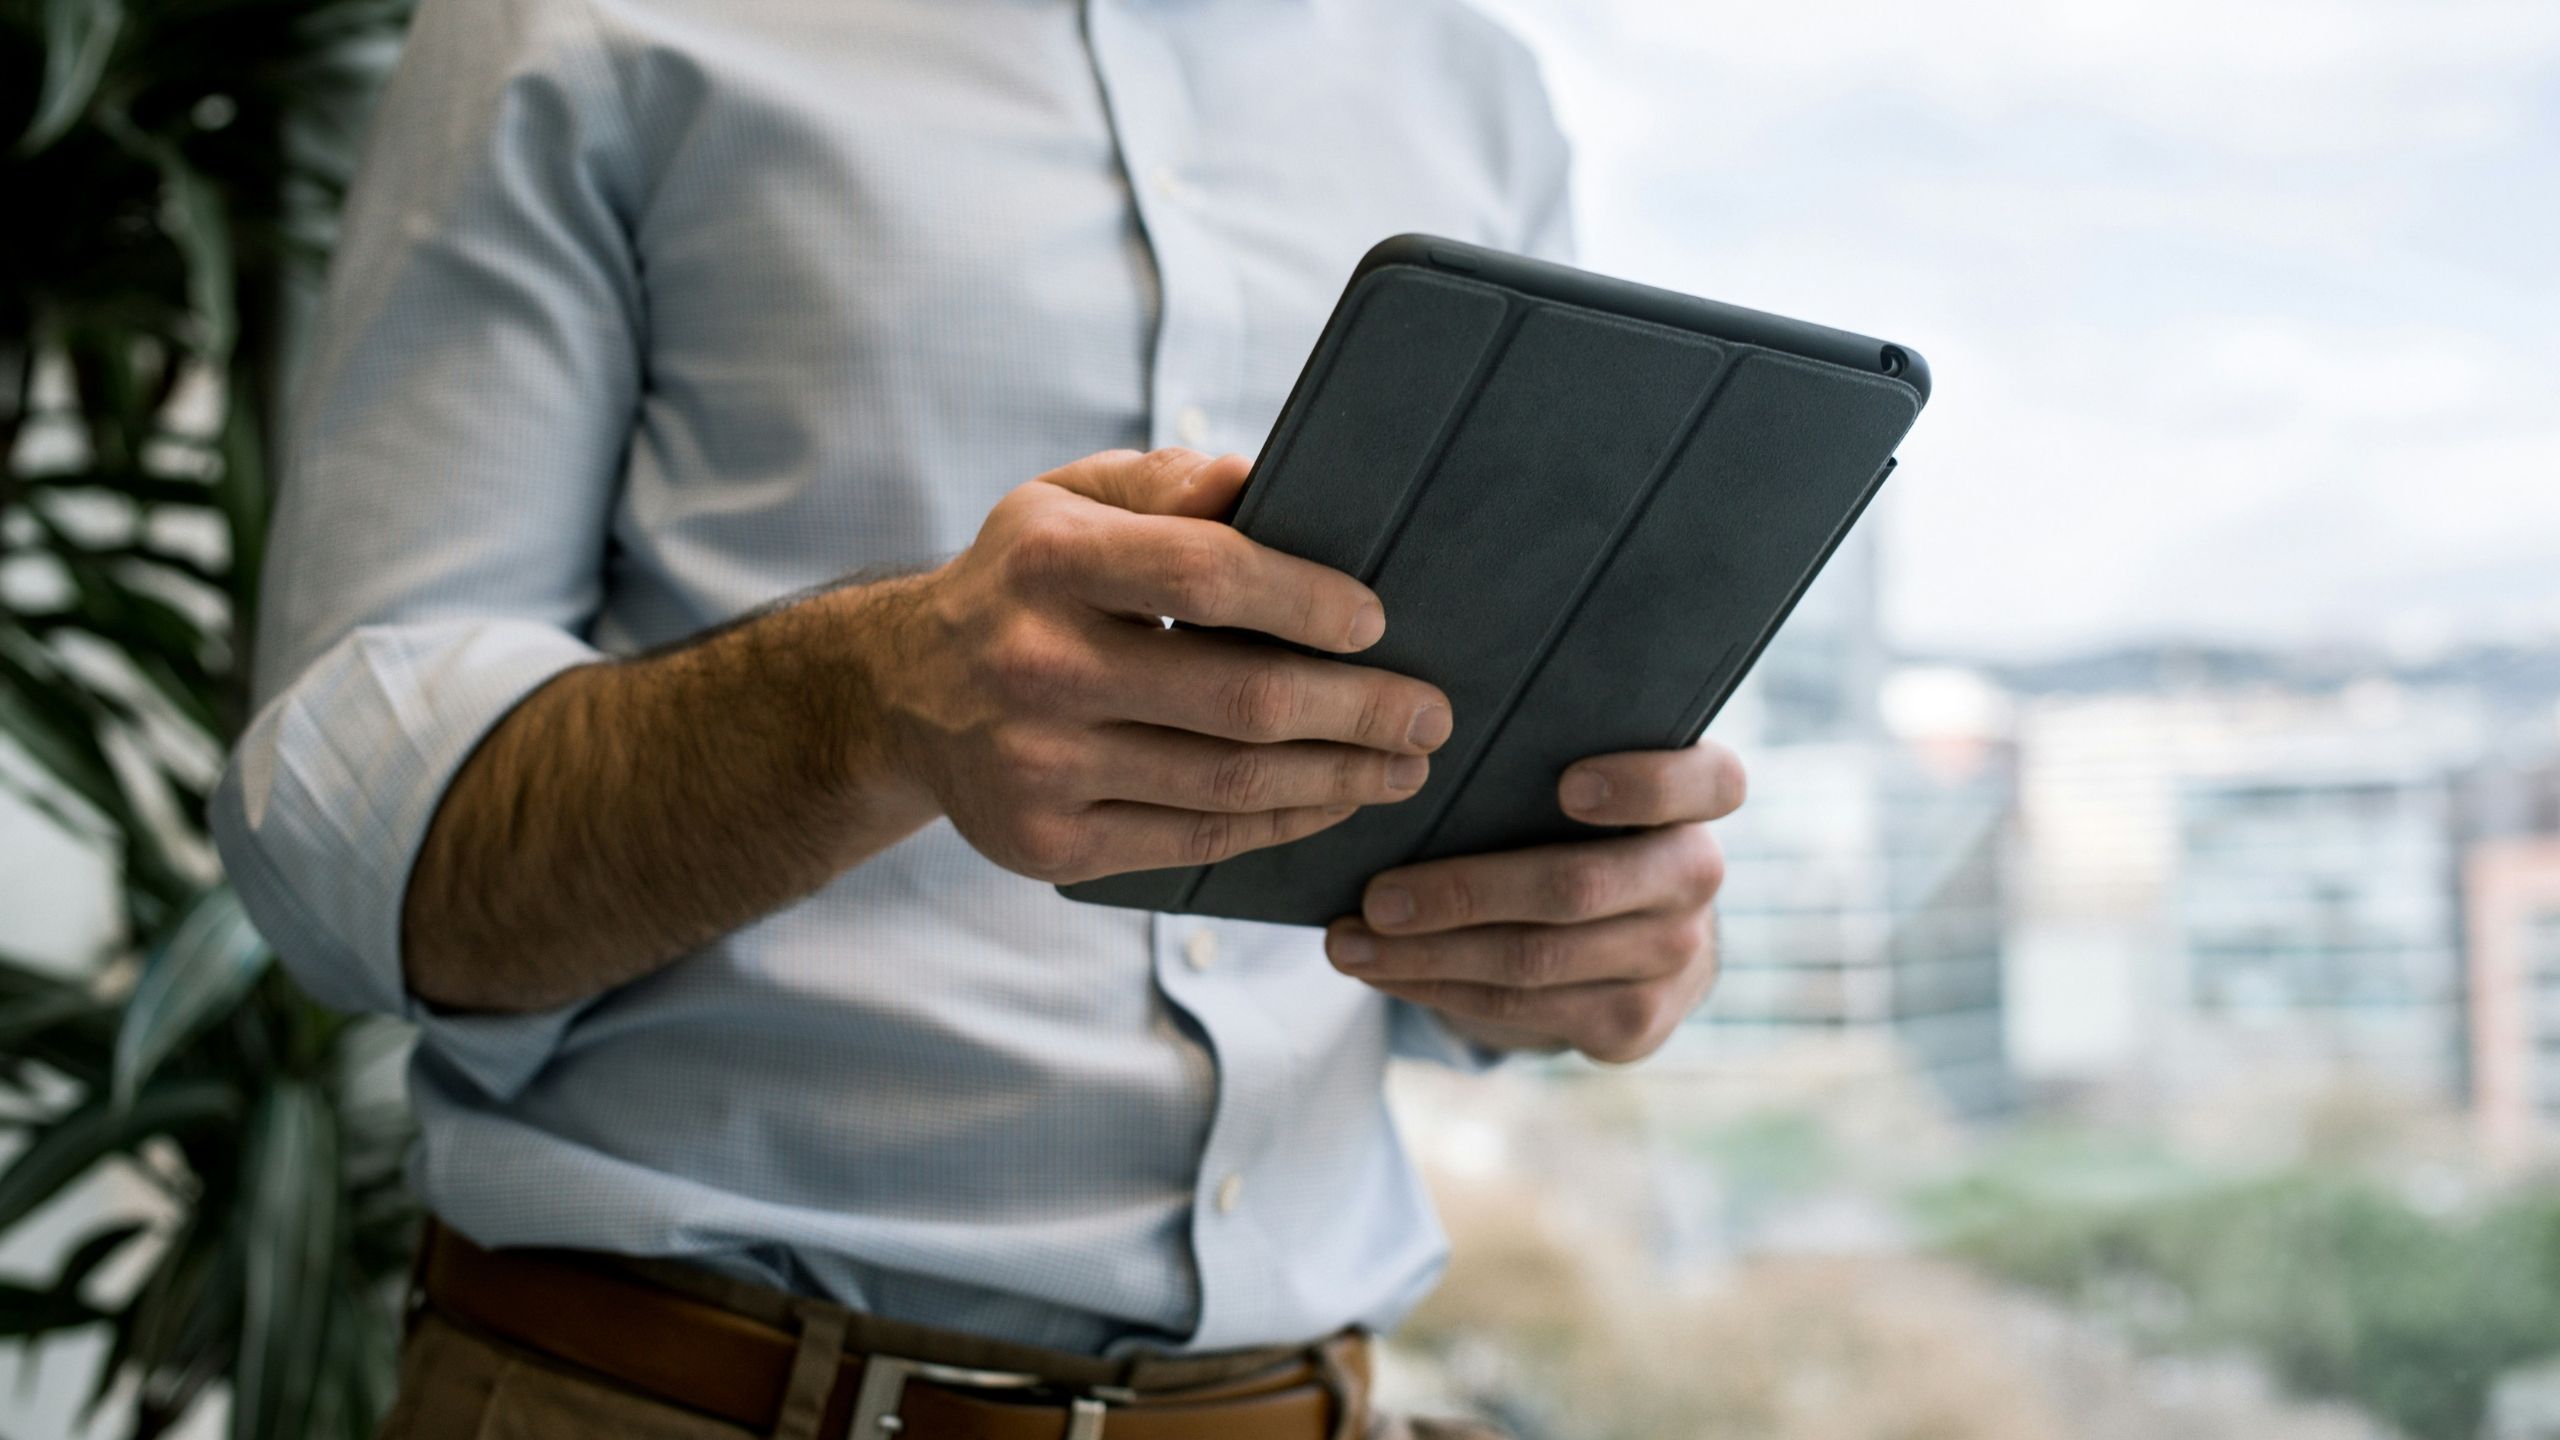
<point>1159,482</point>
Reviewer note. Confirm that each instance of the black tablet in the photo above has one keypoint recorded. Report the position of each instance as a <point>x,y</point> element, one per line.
<point>1586,505</point>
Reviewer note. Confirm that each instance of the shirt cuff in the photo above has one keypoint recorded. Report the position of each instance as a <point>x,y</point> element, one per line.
<point>1418,1033</point>
<point>320,814</point>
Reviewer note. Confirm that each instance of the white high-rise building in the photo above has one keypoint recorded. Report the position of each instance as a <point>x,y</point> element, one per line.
<point>2217,886</point>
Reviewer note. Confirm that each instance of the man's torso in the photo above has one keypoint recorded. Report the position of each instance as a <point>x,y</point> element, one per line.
<point>896,257</point>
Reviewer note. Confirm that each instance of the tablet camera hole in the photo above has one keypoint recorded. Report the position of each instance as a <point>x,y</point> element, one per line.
<point>1895,362</point>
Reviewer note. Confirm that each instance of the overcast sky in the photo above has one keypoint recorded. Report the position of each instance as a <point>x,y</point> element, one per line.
<point>2245,316</point>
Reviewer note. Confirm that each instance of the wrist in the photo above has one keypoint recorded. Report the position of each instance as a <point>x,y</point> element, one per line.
<point>869,766</point>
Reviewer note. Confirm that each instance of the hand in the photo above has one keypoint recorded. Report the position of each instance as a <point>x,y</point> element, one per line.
<point>1603,946</point>
<point>1032,690</point>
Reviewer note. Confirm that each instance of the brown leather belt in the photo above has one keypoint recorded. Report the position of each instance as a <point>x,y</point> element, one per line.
<point>702,1357</point>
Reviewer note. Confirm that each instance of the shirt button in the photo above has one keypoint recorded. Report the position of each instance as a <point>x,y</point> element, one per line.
<point>1168,182</point>
<point>1201,950</point>
<point>1191,426</point>
<point>1230,1194</point>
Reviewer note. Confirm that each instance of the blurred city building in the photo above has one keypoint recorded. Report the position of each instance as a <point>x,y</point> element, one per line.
<point>2512,924</point>
<point>2156,879</point>
<point>1866,888</point>
<point>2315,903</point>
<point>2236,869</point>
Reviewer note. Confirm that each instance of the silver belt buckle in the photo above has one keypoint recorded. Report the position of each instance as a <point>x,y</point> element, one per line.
<point>884,1384</point>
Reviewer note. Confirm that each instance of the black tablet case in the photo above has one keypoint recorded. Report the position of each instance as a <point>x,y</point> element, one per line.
<point>1586,506</point>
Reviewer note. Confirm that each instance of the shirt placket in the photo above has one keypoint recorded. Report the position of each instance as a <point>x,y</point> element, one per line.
<point>1192,385</point>
<point>1197,364</point>
<point>1206,969</point>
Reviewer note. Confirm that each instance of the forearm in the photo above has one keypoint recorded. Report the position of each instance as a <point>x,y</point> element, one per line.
<point>629,811</point>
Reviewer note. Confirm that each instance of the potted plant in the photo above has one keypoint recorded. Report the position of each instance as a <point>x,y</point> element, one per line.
<point>171,169</point>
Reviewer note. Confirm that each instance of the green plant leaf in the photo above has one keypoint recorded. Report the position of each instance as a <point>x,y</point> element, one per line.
<point>26,1311</point>
<point>60,720</point>
<point>53,1021</point>
<point>290,1212</point>
<point>97,1250</point>
<point>174,249</point>
<point>50,806</point>
<point>195,976</point>
<point>192,214</point>
<point>139,486</point>
<point>60,738</point>
<point>64,1150</point>
<point>185,1308</point>
<point>21,1020</point>
<point>79,36</point>
<point>67,1028</point>
<point>372,1356</point>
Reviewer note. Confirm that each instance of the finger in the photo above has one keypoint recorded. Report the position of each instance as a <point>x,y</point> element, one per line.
<point>1156,837</point>
<point>1612,1021</point>
<point>1238,690</point>
<point>1679,866</point>
<point>1196,772</point>
<point>1531,957</point>
<point>1157,482</point>
<point>1654,787</point>
<point>1206,574</point>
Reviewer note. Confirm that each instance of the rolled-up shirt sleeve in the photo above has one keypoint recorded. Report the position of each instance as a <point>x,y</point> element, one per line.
<point>440,533</point>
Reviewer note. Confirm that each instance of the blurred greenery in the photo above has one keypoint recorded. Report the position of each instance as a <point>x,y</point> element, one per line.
<point>2342,1285</point>
<point>172,169</point>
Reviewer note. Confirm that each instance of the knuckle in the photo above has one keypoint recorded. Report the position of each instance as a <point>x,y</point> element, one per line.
<point>1261,703</point>
<point>1029,667</point>
<point>1241,780</point>
<point>1118,458</point>
<point>1034,761</point>
<point>1684,939</point>
<point>1628,1025</point>
<point>1538,957</point>
<point>1197,578</point>
<point>1043,548</point>
<point>1371,726</point>
<point>1456,899</point>
<point>1702,869</point>
<point>1049,847</point>
<point>1171,460</point>
<point>1209,839</point>
<point>1579,887</point>
<point>1357,773</point>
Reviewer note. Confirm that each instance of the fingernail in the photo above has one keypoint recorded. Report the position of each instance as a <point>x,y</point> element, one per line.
<point>1351,949</point>
<point>1367,627</point>
<point>1390,905</point>
<point>1586,790</point>
<point>1430,726</point>
<point>1407,772</point>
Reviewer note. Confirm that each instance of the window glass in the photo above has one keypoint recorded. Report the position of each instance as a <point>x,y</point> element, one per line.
<point>2141,996</point>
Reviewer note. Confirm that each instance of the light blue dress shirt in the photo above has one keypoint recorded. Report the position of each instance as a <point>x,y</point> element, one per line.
<point>648,312</point>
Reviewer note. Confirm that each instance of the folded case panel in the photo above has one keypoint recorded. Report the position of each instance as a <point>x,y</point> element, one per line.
<point>1583,525</point>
